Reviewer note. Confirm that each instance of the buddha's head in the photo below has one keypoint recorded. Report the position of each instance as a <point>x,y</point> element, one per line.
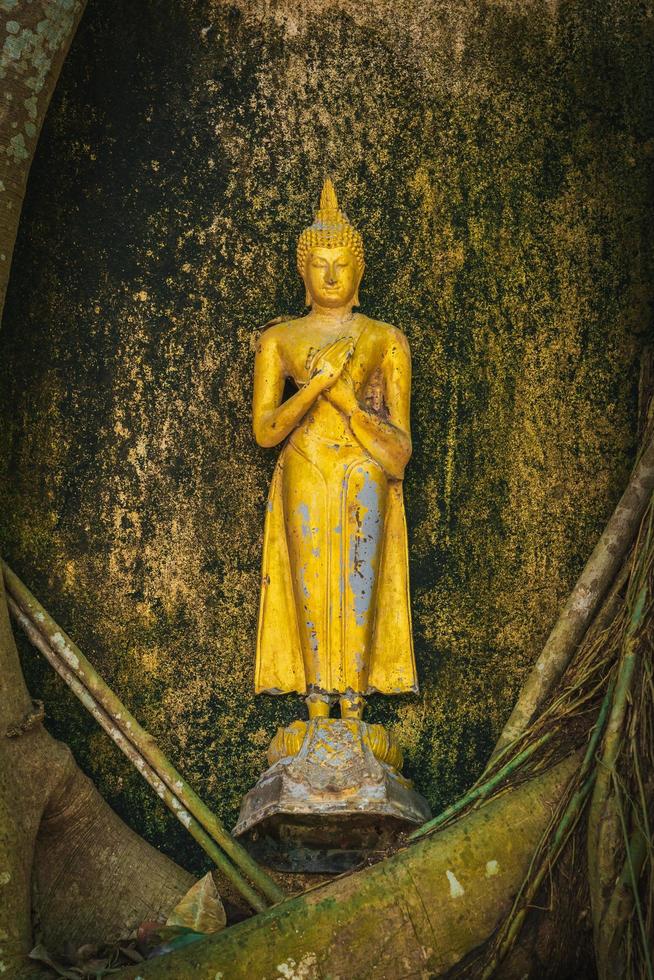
<point>330,256</point>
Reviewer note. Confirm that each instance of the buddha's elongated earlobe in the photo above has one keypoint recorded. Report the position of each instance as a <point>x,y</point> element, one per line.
<point>355,301</point>
<point>307,297</point>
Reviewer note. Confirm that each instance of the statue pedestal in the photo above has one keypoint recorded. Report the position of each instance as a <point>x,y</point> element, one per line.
<point>330,805</point>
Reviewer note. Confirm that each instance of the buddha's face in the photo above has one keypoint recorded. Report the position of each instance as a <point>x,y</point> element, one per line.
<point>332,276</point>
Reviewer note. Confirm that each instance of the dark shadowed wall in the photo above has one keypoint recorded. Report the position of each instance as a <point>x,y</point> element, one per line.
<point>497,158</point>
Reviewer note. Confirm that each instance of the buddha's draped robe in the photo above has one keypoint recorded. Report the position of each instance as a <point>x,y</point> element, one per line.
<point>335,613</point>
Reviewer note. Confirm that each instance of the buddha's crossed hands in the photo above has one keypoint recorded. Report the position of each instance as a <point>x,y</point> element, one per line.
<point>328,364</point>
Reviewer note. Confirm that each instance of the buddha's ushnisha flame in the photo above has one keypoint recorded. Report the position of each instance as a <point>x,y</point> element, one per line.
<point>330,229</point>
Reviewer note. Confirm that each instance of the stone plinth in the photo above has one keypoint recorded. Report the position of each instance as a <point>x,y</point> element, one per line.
<point>330,805</point>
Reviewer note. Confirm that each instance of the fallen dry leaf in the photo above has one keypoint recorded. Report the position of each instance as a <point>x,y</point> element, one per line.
<point>201,908</point>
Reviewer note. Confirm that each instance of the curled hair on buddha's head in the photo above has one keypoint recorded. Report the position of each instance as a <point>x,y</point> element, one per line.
<point>330,229</point>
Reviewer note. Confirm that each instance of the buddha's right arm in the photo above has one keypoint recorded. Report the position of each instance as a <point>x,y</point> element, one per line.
<point>273,420</point>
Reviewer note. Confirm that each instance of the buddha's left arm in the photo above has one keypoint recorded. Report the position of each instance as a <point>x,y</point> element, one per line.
<point>384,434</point>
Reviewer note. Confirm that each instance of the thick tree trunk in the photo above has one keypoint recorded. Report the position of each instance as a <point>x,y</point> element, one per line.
<point>416,914</point>
<point>94,879</point>
<point>35,37</point>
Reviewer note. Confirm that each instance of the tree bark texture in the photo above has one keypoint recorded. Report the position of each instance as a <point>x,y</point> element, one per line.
<point>35,37</point>
<point>416,914</point>
<point>94,878</point>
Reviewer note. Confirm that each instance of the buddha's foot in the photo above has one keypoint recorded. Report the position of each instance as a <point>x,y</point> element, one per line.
<point>288,742</point>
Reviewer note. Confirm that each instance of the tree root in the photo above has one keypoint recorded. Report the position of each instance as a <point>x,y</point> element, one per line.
<point>93,877</point>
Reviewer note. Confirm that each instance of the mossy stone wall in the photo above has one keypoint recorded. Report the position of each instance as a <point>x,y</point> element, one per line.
<point>497,158</point>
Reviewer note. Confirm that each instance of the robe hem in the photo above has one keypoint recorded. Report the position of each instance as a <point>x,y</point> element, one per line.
<point>276,691</point>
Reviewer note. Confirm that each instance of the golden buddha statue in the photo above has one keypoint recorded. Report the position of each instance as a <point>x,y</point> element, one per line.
<point>335,619</point>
